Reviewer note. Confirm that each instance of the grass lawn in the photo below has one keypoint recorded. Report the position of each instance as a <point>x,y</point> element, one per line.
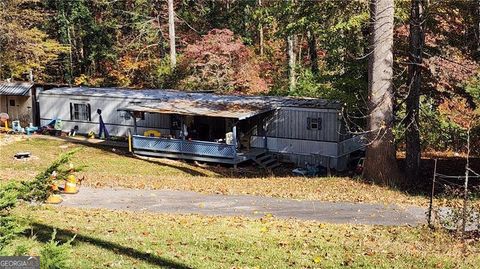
<point>106,168</point>
<point>144,240</point>
<point>120,239</point>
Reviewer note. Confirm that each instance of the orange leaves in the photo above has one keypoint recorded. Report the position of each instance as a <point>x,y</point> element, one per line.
<point>458,111</point>
<point>219,61</point>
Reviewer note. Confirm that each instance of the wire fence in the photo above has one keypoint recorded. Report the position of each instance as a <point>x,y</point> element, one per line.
<point>453,203</point>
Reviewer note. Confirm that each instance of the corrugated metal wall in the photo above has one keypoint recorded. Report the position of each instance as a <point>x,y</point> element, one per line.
<point>289,137</point>
<point>291,122</point>
<point>304,147</point>
<point>300,152</point>
<point>117,122</point>
<point>339,164</point>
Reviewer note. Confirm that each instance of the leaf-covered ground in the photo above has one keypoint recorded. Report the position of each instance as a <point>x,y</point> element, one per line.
<point>107,168</point>
<point>143,240</point>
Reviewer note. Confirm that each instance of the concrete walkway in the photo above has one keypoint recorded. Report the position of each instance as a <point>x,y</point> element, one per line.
<point>186,202</point>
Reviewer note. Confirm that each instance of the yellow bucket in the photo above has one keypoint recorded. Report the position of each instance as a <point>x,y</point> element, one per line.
<point>71,179</point>
<point>54,199</point>
<point>70,187</point>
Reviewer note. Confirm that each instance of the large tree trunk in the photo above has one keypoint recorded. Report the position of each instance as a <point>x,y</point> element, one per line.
<point>413,149</point>
<point>171,34</point>
<point>312,48</point>
<point>380,162</point>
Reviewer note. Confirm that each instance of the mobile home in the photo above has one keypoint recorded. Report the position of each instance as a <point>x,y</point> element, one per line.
<point>206,126</point>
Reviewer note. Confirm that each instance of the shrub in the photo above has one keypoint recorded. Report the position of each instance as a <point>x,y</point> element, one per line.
<point>55,255</point>
<point>36,190</point>
<point>9,226</point>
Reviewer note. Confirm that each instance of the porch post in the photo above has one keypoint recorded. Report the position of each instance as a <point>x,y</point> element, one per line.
<point>265,141</point>
<point>182,134</point>
<point>130,148</point>
<point>135,130</point>
<point>234,134</point>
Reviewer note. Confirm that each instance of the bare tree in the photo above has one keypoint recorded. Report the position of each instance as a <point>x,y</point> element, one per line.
<point>312,48</point>
<point>291,63</point>
<point>380,162</point>
<point>417,40</point>
<point>291,57</point>
<point>171,34</point>
<point>477,25</point>
<point>260,31</point>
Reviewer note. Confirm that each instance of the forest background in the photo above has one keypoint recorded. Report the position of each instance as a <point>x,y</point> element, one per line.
<point>295,48</point>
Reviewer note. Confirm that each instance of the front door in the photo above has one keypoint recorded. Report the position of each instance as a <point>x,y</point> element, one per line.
<point>12,107</point>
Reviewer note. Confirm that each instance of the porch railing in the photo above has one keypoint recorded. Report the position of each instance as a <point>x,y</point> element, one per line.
<point>198,148</point>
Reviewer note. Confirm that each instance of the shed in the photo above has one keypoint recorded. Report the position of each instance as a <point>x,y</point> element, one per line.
<point>20,100</point>
<point>16,100</point>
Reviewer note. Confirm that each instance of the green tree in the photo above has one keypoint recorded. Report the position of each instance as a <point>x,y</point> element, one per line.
<point>24,44</point>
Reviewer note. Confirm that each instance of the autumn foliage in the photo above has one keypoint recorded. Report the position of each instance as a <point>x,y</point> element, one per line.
<point>219,61</point>
<point>459,111</point>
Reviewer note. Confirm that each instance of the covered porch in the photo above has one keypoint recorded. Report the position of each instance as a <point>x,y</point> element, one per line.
<point>209,132</point>
<point>192,150</point>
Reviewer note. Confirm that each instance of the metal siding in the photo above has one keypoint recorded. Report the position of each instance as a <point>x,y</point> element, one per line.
<point>292,123</point>
<point>303,147</point>
<point>53,107</point>
<point>288,136</point>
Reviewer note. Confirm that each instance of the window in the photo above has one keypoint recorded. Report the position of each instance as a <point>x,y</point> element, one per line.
<point>139,115</point>
<point>80,112</point>
<point>314,123</point>
<point>175,122</point>
<point>12,102</point>
<point>126,115</point>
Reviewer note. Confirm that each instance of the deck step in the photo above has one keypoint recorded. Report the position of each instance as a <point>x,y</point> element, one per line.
<point>273,166</point>
<point>264,158</point>
<point>267,161</point>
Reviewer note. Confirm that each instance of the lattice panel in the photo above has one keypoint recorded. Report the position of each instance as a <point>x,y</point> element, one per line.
<point>187,147</point>
<point>217,150</point>
<point>156,144</point>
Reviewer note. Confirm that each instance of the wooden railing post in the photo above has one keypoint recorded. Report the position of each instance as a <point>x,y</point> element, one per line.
<point>130,147</point>
<point>234,132</point>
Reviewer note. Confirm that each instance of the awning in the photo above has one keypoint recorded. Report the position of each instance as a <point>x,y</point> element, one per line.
<point>233,110</point>
<point>15,88</point>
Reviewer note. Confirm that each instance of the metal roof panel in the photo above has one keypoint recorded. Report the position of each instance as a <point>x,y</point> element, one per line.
<point>15,88</point>
<point>164,95</point>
